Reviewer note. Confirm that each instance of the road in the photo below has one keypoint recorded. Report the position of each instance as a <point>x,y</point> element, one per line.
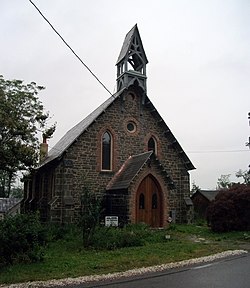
<point>233,272</point>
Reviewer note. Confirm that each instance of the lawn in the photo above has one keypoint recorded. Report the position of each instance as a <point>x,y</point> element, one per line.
<point>68,258</point>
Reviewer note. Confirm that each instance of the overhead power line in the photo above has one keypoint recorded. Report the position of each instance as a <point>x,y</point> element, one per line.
<point>92,73</point>
<point>217,151</point>
<point>78,57</point>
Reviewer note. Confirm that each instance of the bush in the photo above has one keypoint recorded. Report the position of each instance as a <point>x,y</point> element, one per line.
<point>111,238</point>
<point>22,238</point>
<point>90,214</point>
<point>230,211</point>
<point>56,231</point>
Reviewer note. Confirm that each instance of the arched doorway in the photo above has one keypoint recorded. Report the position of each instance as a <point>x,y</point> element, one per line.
<point>149,202</point>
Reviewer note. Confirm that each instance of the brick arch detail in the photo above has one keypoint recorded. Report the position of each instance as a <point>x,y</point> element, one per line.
<point>158,143</point>
<point>99,148</point>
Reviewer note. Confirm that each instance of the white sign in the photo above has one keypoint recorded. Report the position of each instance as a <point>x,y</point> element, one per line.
<point>111,221</point>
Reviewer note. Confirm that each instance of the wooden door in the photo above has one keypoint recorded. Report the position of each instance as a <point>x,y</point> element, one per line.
<point>149,202</point>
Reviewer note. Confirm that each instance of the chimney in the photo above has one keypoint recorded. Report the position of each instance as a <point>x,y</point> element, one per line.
<point>43,149</point>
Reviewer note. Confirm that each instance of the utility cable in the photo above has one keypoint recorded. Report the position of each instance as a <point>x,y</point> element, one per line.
<point>112,95</point>
<point>78,57</point>
<point>217,151</point>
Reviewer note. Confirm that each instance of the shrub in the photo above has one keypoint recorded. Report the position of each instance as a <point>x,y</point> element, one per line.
<point>22,238</point>
<point>56,231</point>
<point>111,238</point>
<point>230,211</point>
<point>90,214</point>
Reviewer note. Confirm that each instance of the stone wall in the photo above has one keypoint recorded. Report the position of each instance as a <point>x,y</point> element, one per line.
<point>80,166</point>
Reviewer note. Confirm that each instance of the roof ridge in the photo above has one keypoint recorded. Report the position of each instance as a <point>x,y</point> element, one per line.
<point>72,134</point>
<point>128,172</point>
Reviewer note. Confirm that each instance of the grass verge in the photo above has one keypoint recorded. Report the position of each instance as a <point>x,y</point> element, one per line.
<point>67,257</point>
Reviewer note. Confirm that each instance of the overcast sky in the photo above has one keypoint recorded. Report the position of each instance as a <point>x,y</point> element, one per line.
<point>198,71</point>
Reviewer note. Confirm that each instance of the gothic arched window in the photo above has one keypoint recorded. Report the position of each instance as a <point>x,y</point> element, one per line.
<point>154,201</point>
<point>141,201</point>
<point>106,151</point>
<point>152,145</point>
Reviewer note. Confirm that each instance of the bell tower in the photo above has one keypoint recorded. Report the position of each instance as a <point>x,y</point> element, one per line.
<point>131,63</point>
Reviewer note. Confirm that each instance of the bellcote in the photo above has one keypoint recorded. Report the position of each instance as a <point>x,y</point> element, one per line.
<point>131,63</point>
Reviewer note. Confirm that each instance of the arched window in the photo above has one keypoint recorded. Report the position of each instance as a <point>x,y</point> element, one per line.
<point>154,201</point>
<point>106,151</point>
<point>141,201</point>
<point>152,145</point>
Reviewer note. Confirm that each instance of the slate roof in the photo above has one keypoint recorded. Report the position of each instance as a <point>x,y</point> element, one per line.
<point>128,171</point>
<point>208,194</point>
<point>8,203</point>
<point>70,137</point>
<point>127,42</point>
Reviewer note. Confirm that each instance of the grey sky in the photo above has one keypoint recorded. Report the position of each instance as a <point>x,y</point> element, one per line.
<point>198,71</point>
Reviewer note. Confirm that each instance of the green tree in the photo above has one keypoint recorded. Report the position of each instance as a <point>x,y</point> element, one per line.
<point>224,181</point>
<point>231,209</point>
<point>22,116</point>
<point>16,191</point>
<point>90,215</point>
<point>22,239</point>
<point>195,188</point>
<point>245,175</point>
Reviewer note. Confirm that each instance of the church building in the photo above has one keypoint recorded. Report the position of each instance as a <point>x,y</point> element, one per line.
<point>123,151</point>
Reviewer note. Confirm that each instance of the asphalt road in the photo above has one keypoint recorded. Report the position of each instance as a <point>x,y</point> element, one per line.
<point>233,272</point>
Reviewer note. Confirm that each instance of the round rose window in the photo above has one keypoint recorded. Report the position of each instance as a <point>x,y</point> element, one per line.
<point>131,127</point>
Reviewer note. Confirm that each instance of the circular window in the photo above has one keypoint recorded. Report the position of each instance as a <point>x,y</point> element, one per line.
<point>131,126</point>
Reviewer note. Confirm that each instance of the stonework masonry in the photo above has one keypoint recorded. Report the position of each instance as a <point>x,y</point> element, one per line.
<point>60,184</point>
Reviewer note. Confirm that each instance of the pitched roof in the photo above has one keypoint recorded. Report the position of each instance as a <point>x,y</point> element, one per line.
<point>8,203</point>
<point>127,42</point>
<point>70,137</point>
<point>208,194</point>
<point>132,167</point>
<point>128,171</point>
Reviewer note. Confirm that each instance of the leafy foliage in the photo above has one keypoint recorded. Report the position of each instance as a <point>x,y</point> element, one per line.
<point>230,211</point>
<point>66,257</point>
<point>22,115</point>
<point>90,215</point>
<point>111,238</point>
<point>224,181</point>
<point>245,175</point>
<point>6,180</point>
<point>17,192</point>
<point>22,238</point>
<point>195,188</point>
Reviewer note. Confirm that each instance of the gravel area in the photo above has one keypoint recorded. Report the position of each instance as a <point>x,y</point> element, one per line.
<point>132,272</point>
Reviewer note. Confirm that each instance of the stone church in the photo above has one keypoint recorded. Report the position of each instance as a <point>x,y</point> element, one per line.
<point>123,151</point>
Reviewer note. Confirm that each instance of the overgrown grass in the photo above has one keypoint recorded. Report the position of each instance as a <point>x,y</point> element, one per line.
<point>66,257</point>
